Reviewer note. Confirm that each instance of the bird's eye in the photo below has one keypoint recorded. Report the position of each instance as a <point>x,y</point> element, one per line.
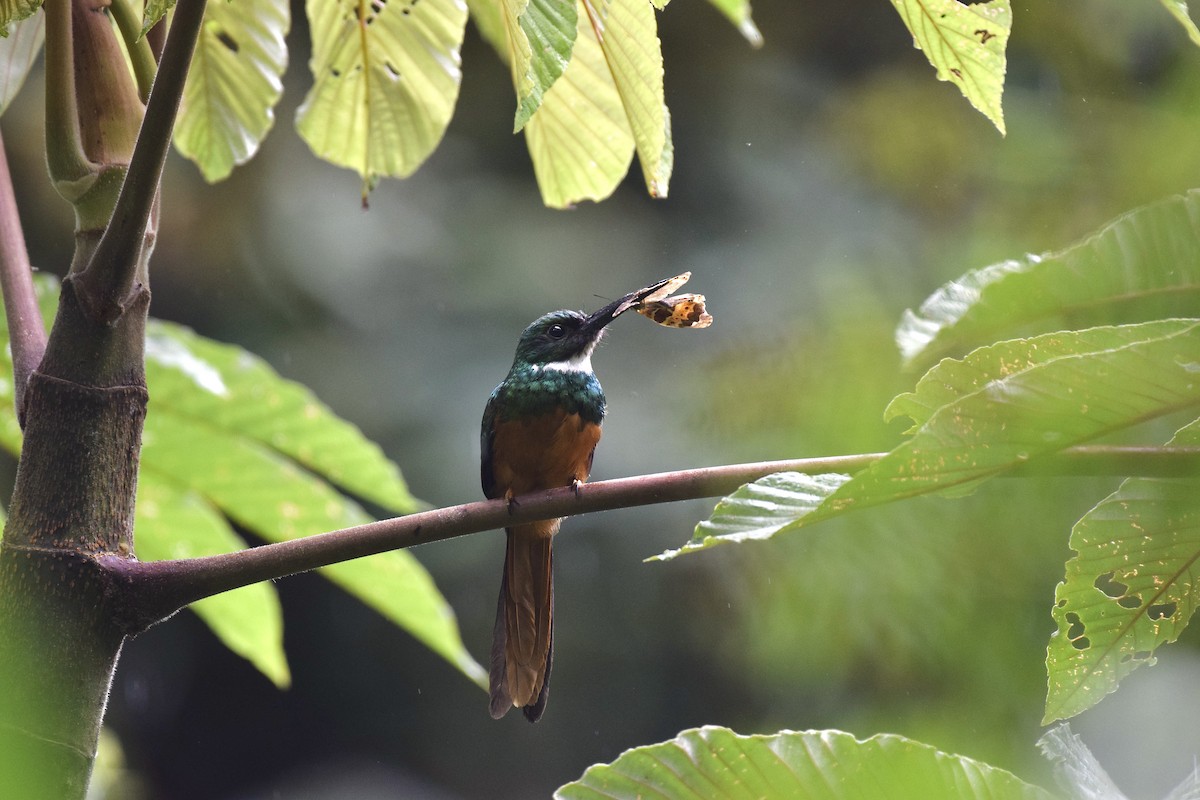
<point>556,331</point>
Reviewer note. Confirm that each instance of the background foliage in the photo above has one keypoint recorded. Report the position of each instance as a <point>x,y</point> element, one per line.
<point>821,185</point>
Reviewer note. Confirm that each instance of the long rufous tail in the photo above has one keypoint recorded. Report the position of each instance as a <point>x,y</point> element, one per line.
<point>523,638</point>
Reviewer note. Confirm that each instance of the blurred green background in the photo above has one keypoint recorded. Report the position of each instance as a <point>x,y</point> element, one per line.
<point>822,184</point>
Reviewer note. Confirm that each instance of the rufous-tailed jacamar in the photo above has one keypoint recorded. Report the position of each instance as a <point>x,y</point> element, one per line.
<point>540,430</point>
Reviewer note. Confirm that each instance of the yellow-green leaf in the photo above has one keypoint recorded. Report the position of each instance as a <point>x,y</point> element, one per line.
<point>541,35</point>
<point>14,11</point>
<point>386,78</point>
<point>233,85</point>
<point>966,45</point>
<point>579,140</point>
<point>627,31</point>
<point>1179,10</point>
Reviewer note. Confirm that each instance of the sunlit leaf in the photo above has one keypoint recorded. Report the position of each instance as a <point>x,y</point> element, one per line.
<point>627,31</point>
<point>155,11</point>
<point>233,85</point>
<point>541,34</point>
<point>1097,384</point>
<point>385,84</point>
<point>1179,10</point>
<point>579,140</point>
<point>1143,265</point>
<point>951,379</point>
<point>172,524</point>
<point>738,12</point>
<point>17,53</point>
<point>716,762</point>
<point>1132,586</point>
<point>966,45</point>
<point>14,11</point>
<point>1075,766</point>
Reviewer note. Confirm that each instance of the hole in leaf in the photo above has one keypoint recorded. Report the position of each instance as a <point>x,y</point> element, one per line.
<point>1082,643</point>
<point>395,73</point>
<point>1132,601</point>
<point>1075,626</point>
<point>227,40</point>
<point>1110,587</point>
<point>1161,611</point>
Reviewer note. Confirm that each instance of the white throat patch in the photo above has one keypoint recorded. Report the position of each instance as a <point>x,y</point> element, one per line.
<point>580,363</point>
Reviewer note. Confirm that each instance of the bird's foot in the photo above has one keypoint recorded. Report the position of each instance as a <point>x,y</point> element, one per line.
<point>576,487</point>
<point>509,498</point>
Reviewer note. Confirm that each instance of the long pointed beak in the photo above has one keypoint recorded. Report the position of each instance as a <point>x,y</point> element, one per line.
<point>598,319</point>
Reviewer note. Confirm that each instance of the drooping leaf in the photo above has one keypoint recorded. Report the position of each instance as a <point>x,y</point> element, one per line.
<point>1132,586</point>
<point>226,432</point>
<point>1179,10</point>
<point>579,140</point>
<point>18,51</point>
<point>1143,265</point>
<point>966,45</point>
<point>541,34</point>
<point>233,85</point>
<point>1097,384</point>
<point>627,31</point>
<point>14,11</point>
<point>172,523</point>
<point>716,762</point>
<point>386,80</point>
<point>738,12</point>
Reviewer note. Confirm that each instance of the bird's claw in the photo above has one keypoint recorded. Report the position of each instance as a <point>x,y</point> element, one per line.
<point>509,498</point>
<point>576,487</point>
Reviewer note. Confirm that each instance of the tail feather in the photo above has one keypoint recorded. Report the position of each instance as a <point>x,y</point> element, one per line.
<point>523,636</point>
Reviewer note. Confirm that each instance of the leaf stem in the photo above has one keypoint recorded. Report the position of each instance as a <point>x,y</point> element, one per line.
<point>138,46</point>
<point>157,589</point>
<point>27,331</point>
<point>117,266</point>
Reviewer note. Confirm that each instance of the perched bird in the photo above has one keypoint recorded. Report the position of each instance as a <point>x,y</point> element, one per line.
<point>540,430</point>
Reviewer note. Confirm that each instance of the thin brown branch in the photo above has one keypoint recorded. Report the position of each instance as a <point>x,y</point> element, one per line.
<point>157,589</point>
<point>25,327</point>
<point>113,275</point>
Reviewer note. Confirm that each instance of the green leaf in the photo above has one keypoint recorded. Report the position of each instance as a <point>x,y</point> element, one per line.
<point>579,140</point>
<point>1144,264</point>
<point>966,45</point>
<point>226,386</point>
<point>14,11</point>
<point>542,33</point>
<point>1179,10</point>
<point>760,509</point>
<point>384,85</point>
<point>233,85</point>
<point>172,524</point>
<point>17,53</point>
<point>716,762</point>
<point>1130,588</point>
<point>627,31</point>
<point>738,12</point>
<point>1099,381</point>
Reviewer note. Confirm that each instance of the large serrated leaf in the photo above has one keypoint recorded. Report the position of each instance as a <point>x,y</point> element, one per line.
<point>541,35</point>
<point>1098,383</point>
<point>1132,586</point>
<point>716,762</point>
<point>173,523</point>
<point>1179,10</point>
<point>18,51</point>
<point>627,31</point>
<point>386,78</point>
<point>1144,265</point>
<point>233,85</point>
<point>966,45</point>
